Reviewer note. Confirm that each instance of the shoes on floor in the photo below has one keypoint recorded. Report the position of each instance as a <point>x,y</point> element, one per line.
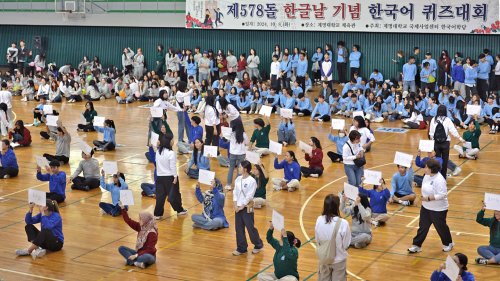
<point>414,249</point>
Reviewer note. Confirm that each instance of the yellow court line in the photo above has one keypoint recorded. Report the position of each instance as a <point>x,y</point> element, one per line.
<point>30,275</point>
<point>301,221</point>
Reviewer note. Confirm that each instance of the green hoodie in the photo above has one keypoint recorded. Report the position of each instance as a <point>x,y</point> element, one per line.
<point>494,226</point>
<point>285,258</point>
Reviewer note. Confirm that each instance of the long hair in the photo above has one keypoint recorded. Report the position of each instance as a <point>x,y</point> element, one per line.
<point>210,101</point>
<point>365,203</point>
<point>91,106</point>
<point>165,143</point>
<point>316,142</point>
<point>52,206</point>
<point>195,151</point>
<point>223,103</point>
<point>261,178</point>
<point>292,154</point>
<point>361,121</point>
<point>238,129</point>
<point>331,207</point>
<point>110,123</point>
<point>441,111</point>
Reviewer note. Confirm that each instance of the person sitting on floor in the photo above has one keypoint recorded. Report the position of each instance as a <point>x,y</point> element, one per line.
<point>213,217</point>
<point>490,254</point>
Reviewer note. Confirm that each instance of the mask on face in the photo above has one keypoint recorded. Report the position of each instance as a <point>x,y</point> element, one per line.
<point>341,135</point>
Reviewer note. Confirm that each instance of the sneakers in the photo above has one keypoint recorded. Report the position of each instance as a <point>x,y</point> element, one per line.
<point>449,247</point>
<point>375,223</point>
<point>456,171</point>
<point>157,218</point>
<point>38,253</point>
<point>6,176</point>
<point>478,260</point>
<point>414,249</point>
<point>256,251</point>
<point>22,252</point>
<point>358,245</point>
<point>102,212</point>
<point>182,213</point>
<point>228,187</point>
<point>300,114</point>
<point>277,188</point>
<point>314,175</point>
<point>320,120</point>
<point>140,265</point>
<point>405,202</point>
<point>236,253</point>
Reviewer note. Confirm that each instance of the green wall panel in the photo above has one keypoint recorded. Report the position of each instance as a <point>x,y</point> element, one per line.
<point>69,44</point>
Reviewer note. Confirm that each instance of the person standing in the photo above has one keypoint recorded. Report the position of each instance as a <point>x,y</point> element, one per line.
<point>352,151</point>
<point>12,57</point>
<point>434,208</point>
<point>244,190</point>
<point>342,54</point>
<point>409,74</point>
<point>23,56</point>
<point>354,61</point>
<point>302,70</point>
<point>483,73</point>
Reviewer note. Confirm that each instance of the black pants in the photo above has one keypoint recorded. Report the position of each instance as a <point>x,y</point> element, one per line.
<point>274,81</point>
<point>11,172</point>
<point>284,83</point>
<point>482,88</point>
<point>55,196</point>
<point>166,188</point>
<point>469,91</point>
<point>128,69</point>
<point>335,157</point>
<point>302,82</point>
<point>443,150</point>
<point>490,122</point>
<point>43,239</point>
<point>12,66</point>
<point>306,112</point>
<point>85,184</point>
<point>37,115</point>
<point>210,137</point>
<point>342,71</point>
<point>438,219</point>
<point>61,158</point>
<point>354,70</point>
<point>325,117</point>
<point>86,127</point>
<point>317,75</point>
<point>231,75</point>
<point>242,220</point>
<point>306,171</point>
<point>106,146</point>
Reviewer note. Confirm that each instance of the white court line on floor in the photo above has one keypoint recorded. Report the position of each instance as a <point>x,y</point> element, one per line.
<point>301,221</point>
<point>30,275</point>
<point>449,191</point>
<point>22,190</point>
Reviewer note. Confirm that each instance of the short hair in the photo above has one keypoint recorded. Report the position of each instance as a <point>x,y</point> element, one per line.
<point>354,135</point>
<point>196,119</point>
<point>433,165</point>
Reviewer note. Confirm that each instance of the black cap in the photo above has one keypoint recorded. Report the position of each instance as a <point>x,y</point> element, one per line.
<point>54,163</point>
<point>428,54</point>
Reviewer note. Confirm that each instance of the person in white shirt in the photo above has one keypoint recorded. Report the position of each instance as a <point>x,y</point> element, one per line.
<point>367,137</point>
<point>212,122</point>
<point>181,122</point>
<point>350,151</point>
<point>244,190</point>
<point>442,139</point>
<point>327,70</point>
<point>43,89</point>
<point>6,97</point>
<point>167,181</point>
<point>434,208</point>
<point>229,110</point>
<point>237,149</point>
<point>324,230</point>
<point>275,72</point>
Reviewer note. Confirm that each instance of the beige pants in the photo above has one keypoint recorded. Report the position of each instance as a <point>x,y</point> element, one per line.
<point>271,277</point>
<point>380,217</point>
<point>261,151</point>
<point>292,185</point>
<point>259,202</point>
<point>468,152</point>
<point>333,272</point>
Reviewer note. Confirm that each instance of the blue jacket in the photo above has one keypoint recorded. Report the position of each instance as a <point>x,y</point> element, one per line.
<point>195,101</point>
<point>378,77</point>
<point>297,91</point>
<point>354,58</point>
<point>402,184</point>
<point>286,66</point>
<point>432,64</point>
<point>354,106</point>
<point>217,210</point>
<point>108,132</point>
<point>289,103</point>
<point>275,99</point>
<point>321,109</point>
<point>424,74</point>
<point>440,276</point>
<point>292,171</point>
<point>52,222</point>
<point>458,73</point>
<point>191,69</point>
<point>421,162</point>
<point>484,69</point>
<point>194,132</point>
<point>378,200</point>
<point>470,75</point>
<point>431,111</point>
<point>286,127</point>
<point>317,57</point>
<point>203,162</point>
<point>339,142</point>
<point>57,182</point>
<point>294,59</point>
<point>409,72</point>
<point>301,68</point>
<point>243,104</point>
<point>9,160</point>
<point>114,189</point>
<point>305,104</point>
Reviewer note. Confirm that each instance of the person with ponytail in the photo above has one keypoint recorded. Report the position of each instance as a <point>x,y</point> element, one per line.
<point>291,166</point>
<point>463,275</point>
<point>49,237</point>
<point>237,149</point>
<point>315,160</point>
<point>285,258</point>
<point>109,141</point>
<point>360,212</point>
<point>8,161</point>
<point>198,160</point>
<point>88,115</point>
<point>20,135</point>
<point>144,253</point>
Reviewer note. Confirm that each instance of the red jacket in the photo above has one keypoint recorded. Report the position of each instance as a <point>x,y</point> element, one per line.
<point>242,64</point>
<point>150,244</point>
<point>222,65</point>
<point>26,141</point>
<point>316,161</point>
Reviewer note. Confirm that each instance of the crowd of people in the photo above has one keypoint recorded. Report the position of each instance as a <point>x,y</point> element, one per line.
<point>208,91</point>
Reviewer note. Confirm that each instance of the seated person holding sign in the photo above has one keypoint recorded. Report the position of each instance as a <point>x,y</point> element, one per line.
<point>115,187</point>
<point>490,254</point>
<point>339,141</point>
<point>260,175</point>
<point>109,132</point>
<point>63,142</point>
<point>291,166</point>
<point>90,168</point>
<point>8,161</point>
<point>50,237</point>
<point>361,213</point>
<point>213,217</point>
<point>379,196</point>
<point>56,179</point>
<point>402,182</point>
<point>315,160</point>
<point>197,160</point>
<point>471,136</point>
<point>463,275</point>
<point>144,254</point>
<point>260,136</point>
<point>285,258</point>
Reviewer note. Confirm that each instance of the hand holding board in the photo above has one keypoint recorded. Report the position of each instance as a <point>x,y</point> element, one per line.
<point>206,177</point>
<point>226,132</point>
<point>473,109</point>
<point>278,221</point>
<point>37,197</point>
<point>304,146</point>
<point>275,147</point>
<point>99,121</point>
<point>403,159</point>
<point>286,113</point>
<point>47,109</point>
<point>351,191</point>
<point>210,151</point>
<point>127,197</point>
<point>84,147</point>
<point>426,145</point>
<point>266,110</point>
<point>492,201</point>
<point>451,269</point>
<point>156,112</point>
<point>42,162</point>
<point>52,120</point>
<point>187,100</point>
<point>110,167</point>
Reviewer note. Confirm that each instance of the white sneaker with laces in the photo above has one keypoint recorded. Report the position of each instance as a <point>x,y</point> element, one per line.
<point>414,249</point>
<point>38,253</point>
<point>449,247</point>
<point>228,187</point>
<point>375,223</point>
<point>300,114</point>
<point>140,265</point>
<point>456,171</point>
<point>404,203</point>
<point>22,252</point>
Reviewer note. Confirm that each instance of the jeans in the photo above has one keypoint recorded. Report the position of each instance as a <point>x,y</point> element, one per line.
<point>489,252</point>
<point>234,162</point>
<point>126,252</point>
<point>110,209</point>
<point>148,188</point>
<point>409,85</point>
<point>287,136</point>
<point>106,146</point>
<point>181,126</point>
<point>354,174</point>
<point>193,173</point>
<point>201,222</point>
<point>17,137</point>
<point>203,76</point>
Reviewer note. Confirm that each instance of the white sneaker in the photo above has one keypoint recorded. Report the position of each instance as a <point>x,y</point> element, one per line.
<point>404,203</point>
<point>300,114</point>
<point>456,171</point>
<point>375,223</point>
<point>449,247</point>
<point>414,249</point>
<point>157,218</point>
<point>102,212</point>
<point>320,120</point>
<point>314,175</point>
<point>140,265</point>
<point>294,114</point>
<point>38,253</point>
<point>276,188</point>
<point>22,252</point>
<point>256,251</point>
<point>182,213</point>
<point>228,187</point>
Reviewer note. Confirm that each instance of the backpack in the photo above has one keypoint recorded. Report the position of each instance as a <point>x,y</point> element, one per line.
<point>327,251</point>
<point>440,135</point>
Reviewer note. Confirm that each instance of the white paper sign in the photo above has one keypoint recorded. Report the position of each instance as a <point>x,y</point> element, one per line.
<point>451,269</point>
<point>42,162</point>
<point>372,177</point>
<point>278,221</point>
<point>37,196</point>
<point>110,167</point>
<point>210,151</point>
<point>156,112</point>
<point>350,191</point>
<point>266,110</point>
<point>304,146</point>
<point>467,145</point>
<point>47,109</point>
<point>187,100</point>
<point>206,177</point>
<point>403,159</point>
<point>426,145</point>
<point>52,120</point>
<point>154,139</point>
<point>473,109</point>
<point>286,113</point>
<point>84,147</point>
<point>127,197</point>
<point>226,132</point>
<point>275,147</point>
<point>492,201</point>
<point>253,157</point>
<point>338,124</point>
<point>358,113</point>
<point>99,121</point>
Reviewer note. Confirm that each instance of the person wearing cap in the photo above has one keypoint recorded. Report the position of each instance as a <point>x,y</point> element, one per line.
<point>90,168</point>
<point>461,260</point>
<point>409,73</point>
<point>490,254</point>
<point>56,179</point>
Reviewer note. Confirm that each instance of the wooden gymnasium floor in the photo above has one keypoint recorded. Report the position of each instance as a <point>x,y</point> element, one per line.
<point>91,240</point>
